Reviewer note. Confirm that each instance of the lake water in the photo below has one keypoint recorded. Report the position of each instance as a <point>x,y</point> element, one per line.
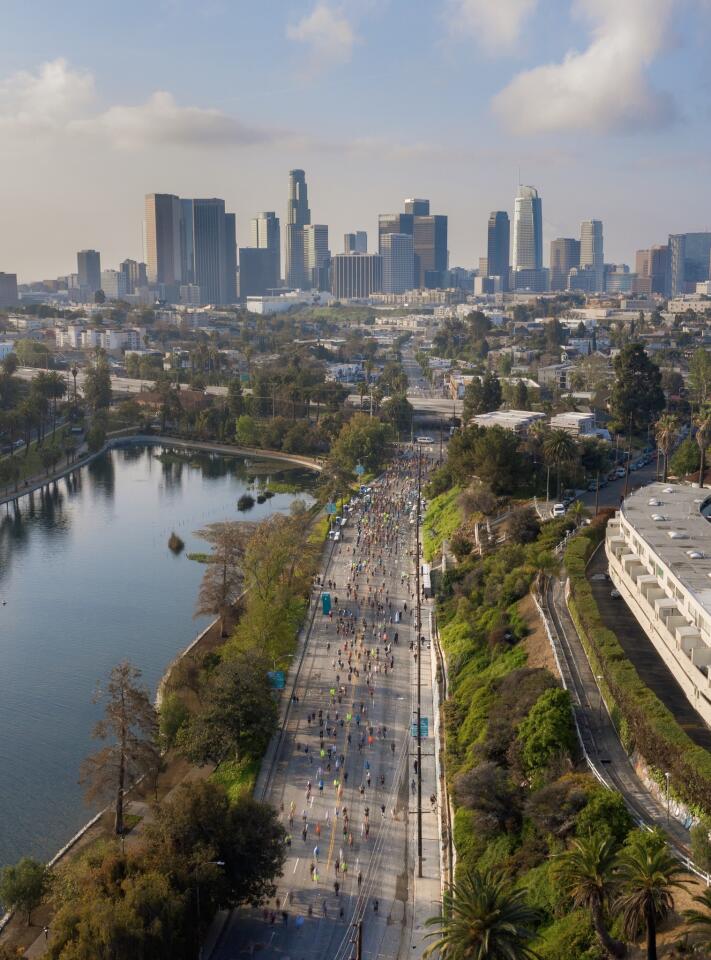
<point>86,580</point>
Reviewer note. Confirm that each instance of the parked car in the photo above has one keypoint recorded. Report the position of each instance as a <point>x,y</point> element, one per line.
<point>592,486</point>
<point>620,473</point>
<point>558,510</point>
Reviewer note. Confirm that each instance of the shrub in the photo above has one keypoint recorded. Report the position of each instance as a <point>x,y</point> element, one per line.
<point>571,936</point>
<point>547,733</point>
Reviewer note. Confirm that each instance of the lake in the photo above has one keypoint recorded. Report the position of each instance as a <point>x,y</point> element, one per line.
<point>87,580</point>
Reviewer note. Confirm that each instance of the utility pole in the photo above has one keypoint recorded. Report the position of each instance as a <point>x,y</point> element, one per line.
<point>418,625</point>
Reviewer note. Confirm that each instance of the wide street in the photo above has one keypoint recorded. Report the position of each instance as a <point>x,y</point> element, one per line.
<point>345,775</point>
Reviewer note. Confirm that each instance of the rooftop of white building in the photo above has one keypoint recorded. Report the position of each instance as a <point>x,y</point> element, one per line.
<point>668,518</point>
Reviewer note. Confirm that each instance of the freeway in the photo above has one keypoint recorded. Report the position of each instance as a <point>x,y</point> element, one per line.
<point>344,773</point>
<point>118,384</point>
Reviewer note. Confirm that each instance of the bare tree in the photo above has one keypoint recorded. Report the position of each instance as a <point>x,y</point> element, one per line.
<point>130,726</point>
<point>223,580</point>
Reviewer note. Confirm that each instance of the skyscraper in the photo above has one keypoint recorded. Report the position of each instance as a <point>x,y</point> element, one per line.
<point>592,255</point>
<point>89,271</point>
<point>134,275</point>
<point>8,290</point>
<point>266,235</point>
<point>355,242</point>
<point>229,292</point>
<point>162,238</point>
<point>317,256</point>
<point>419,208</point>
<point>394,223</point>
<point>215,251</point>
<point>429,233</point>
<point>689,256</point>
<point>255,272</point>
<point>498,247</point>
<point>528,230</point>
<point>565,254</point>
<point>355,276</point>
<point>297,217</point>
<point>397,252</point>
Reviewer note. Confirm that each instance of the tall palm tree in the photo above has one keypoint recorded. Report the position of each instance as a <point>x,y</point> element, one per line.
<point>483,918</point>
<point>586,874</point>
<point>665,431</point>
<point>700,920</point>
<point>703,438</point>
<point>648,874</point>
<point>559,447</point>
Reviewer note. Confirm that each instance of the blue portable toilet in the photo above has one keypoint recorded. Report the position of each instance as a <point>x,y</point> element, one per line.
<point>326,601</point>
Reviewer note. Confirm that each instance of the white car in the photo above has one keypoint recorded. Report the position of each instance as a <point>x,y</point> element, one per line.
<point>558,510</point>
<point>424,440</point>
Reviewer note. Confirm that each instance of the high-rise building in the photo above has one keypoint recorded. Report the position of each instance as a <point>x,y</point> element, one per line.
<point>113,283</point>
<point>394,223</point>
<point>498,247</point>
<point>266,235</point>
<point>215,253</point>
<point>317,256</point>
<point>689,261</point>
<point>355,242</point>
<point>619,278</point>
<point>398,262</point>
<point>652,271</point>
<point>8,290</point>
<point>565,254</point>
<point>89,270</point>
<point>429,232</point>
<point>162,238</point>
<point>256,267</point>
<point>134,275</point>
<point>230,288</point>
<point>527,261</point>
<point>297,217</point>
<point>354,276</point>
<point>592,252</point>
<point>419,208</point>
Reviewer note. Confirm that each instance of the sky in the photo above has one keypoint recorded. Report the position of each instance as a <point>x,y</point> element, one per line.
<point>603,105</point>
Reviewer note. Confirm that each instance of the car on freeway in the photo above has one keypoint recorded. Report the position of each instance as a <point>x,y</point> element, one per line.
<point>424,440</point>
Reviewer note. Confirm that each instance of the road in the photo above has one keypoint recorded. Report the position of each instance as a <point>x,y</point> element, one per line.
<point>118,384</point>
<point>366,708</point>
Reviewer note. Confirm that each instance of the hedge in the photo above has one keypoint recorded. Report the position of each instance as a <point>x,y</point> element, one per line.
<point>641,718</point>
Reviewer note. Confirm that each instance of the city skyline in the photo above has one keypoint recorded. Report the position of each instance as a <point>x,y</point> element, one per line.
<point>86,139</point>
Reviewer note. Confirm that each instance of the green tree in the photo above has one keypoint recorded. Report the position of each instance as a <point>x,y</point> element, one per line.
<point>559,448</point>
<point>482,396</point>
<point>240,715</point>
<point>547,733</point>
<point>130,726</point>
<point>637,396</point>
<point>701,844</point>
<point>398,411</point>
<point>665,433</point>
<point>702,422</point>
<point>648,875</point>
<point>364,440</point>
<point>483,918</point>
<point>700,377</point>
<point>520,397</point>
<point>96,437</point>
<point>700,919</point>
<point>23,886</point>
<point>97,384</point>
<point>586,874</point>
<point>686,459</point>
<point>247,432</point>
<point>235,397</point>
<point>497,460</point>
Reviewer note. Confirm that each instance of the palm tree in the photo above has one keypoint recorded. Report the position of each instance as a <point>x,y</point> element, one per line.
<point>665,431</point>
<point>647,874</point>
<point>586,874</point>
<point>703,438</point>
<point>483,918</point>
<point>700,920</point>
<point>559,447</point>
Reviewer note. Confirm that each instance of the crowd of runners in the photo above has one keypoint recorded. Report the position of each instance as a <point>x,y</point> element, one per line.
<point>349,784</point>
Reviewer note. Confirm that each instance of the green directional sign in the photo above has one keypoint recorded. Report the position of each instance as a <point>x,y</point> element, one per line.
<point>424,727</point>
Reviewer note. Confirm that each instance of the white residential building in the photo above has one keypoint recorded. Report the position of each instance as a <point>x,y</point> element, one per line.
<point>576,424</point>
<point>519,421</point>
<point>659,554</point>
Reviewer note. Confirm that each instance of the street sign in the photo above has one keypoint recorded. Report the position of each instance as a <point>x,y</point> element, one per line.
<point>330,507</point>
<point>424,727</point>
<point>277,679</point>
<point>360,469</point>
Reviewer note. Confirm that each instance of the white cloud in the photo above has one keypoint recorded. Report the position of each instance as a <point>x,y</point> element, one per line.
<point>327,32</point>
<point>603,88</point>
<point>495,24</point>
<point>160,120</point>
<point>58,98</point>
<point>46,99</point>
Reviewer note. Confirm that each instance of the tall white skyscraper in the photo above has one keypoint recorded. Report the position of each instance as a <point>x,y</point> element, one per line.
<point>298,216</point>
<point>398,255</point>
<point>592,255</point>
<point>528,230</point>
<point>316,255</point>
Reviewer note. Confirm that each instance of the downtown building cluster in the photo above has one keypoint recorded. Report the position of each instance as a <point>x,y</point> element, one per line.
<point>191,257</point>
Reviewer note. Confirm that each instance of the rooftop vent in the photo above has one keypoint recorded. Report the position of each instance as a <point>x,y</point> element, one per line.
<point>669,490</point>
<point>676,535</point>
<point>654,502</point>
<point>658,517</point>
<point>695,554</point>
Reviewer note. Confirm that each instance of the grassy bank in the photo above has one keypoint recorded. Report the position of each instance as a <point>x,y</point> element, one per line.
<point>442,519</point>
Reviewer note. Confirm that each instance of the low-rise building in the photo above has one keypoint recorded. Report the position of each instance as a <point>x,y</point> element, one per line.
<point>519,421</point>
<point>659,555</point>
<point>576,424</point>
